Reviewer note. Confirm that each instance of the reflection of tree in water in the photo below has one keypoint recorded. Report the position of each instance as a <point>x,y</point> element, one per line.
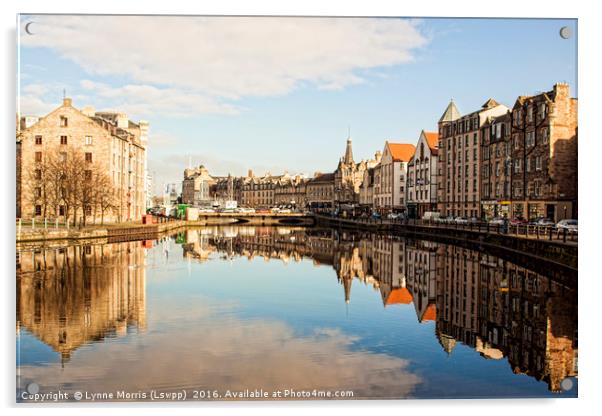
<point>72,295</point>
<point>498,308</point>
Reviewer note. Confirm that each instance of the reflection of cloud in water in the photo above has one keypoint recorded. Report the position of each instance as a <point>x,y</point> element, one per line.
<point>231,354</point>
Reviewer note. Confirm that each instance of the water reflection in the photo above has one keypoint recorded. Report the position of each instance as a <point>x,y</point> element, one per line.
<point>85,297</point>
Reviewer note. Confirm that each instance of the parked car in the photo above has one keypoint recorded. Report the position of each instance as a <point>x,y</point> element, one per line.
<point>376,215</point>
<point>393,216</point>
<point>474,220</point>
<point>518,221</point>
<point>461,220</point>
<point>569,225</point>
<point>545,222</point>
<point>206,210</point>
<point>497,221</point>
<point>285,211</point>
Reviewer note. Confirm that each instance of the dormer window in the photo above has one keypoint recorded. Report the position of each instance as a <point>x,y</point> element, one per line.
<point>64,122</point>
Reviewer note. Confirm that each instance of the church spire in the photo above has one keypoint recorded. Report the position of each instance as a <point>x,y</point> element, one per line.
<point>348,151</point>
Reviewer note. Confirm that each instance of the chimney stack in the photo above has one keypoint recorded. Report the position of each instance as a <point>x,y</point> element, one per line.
<point>67,102</point>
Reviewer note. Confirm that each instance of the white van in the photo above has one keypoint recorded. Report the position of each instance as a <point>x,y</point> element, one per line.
<point>431,216</point>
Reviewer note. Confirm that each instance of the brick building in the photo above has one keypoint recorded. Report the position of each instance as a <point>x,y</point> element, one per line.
<point>459,159</point>
<point>544,155</point>
<point>496,166</point>
<point>109,140</point>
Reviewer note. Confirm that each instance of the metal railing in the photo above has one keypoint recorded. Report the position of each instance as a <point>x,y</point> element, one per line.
<point>534,231</point>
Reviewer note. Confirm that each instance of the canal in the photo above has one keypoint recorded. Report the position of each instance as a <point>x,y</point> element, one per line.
<point>231,312</point>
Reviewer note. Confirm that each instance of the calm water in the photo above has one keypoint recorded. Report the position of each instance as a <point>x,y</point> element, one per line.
<point>222,311</point>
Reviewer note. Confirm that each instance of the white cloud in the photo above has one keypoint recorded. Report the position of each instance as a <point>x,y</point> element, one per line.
<point>198,63</point>
<point>144,100</point>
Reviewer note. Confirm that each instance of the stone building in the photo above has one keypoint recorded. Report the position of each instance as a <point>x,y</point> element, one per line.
<point>196,187</point>
<point>367,189</point>
<point>291,190</point>
<point>390,177</point>
<point>544,155</point>
<point>459,159</point>
<point>110,141</point>
<point>422,176</point>
<point>496,167</point>
<point>348,177</point>
<point>320,191</point>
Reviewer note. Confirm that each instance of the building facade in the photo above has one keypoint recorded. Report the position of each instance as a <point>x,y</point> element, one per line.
<point>196,187</point>
<point>496,167</point>
<point>320,192</point>
<point>110,143</point>
<point>544,154</point>
<point>459,159</point>
<point>390,177</point>
<point>422,176</point>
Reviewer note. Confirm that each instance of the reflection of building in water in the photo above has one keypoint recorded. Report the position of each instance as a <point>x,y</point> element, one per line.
<point>388,267</point>
<point>421,277</point>
<point>501,309</point>
<point>489,304</point>
<point>456,293</point>
<point>73,295</point>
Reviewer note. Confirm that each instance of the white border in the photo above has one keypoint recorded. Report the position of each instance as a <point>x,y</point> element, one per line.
<point>589,97</point>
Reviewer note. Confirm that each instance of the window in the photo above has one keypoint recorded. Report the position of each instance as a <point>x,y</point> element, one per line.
<point>528,165</point>
<point>536,188</point>
<point>61,210</point>
<point>530,113</point>
<point>88,140</point>
<point>64,121</point>
<point>38,140</point>
<point>64,140</point>
<point>544,135</point>
<point>530,138</point>
<point>538,163</point>
<point>88,157</point>
<point>63,156</point>
<point>38,174</point>
<point>38,210</point>
<point>88,210</point>
<point>88,175</point>
<point>543,110</point>
<point>517,166</point>
<point>38,192</point>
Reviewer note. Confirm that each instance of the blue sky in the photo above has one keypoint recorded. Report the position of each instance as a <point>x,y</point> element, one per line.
<point>279,94</point>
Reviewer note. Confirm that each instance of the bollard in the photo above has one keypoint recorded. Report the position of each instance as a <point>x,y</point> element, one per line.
<point>564,235</point>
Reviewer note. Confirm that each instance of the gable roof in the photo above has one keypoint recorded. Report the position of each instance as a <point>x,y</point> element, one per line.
<point>432,138</point>
<point>490,103</point>
<point>400,295</point>
<point>401,152</point>
<point>451,113</point>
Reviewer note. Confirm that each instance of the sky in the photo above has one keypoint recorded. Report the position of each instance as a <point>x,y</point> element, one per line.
<point>281,94</point>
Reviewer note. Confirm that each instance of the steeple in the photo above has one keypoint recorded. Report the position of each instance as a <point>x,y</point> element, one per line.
<point>451,113</point>
<point>348,159</point>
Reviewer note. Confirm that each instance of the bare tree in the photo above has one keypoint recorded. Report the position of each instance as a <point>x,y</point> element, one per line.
<point>104,193</point>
